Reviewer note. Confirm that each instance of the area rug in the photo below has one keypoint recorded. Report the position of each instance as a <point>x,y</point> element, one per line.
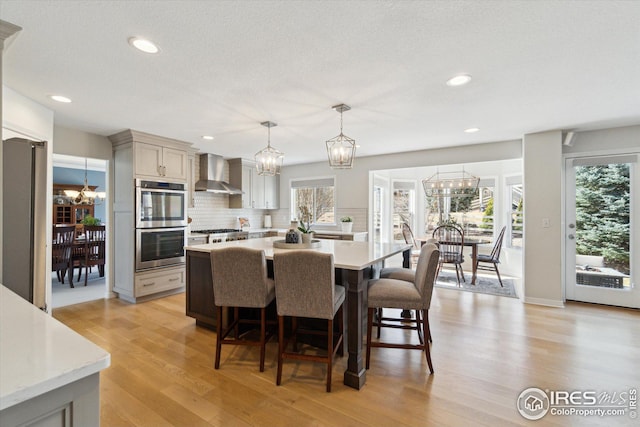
<point>484,284</point>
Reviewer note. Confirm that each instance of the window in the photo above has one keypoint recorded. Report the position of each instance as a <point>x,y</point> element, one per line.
<point>472,210</point>
<point>404,207</point>
<point>318,194</point>
<point>515,225</point>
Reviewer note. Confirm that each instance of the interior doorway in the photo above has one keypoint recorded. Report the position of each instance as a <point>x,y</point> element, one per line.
<point>72,174</point>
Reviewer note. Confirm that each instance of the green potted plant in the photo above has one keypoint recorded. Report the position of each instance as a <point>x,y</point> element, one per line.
<point>347,224</point>
<point>305,224</point>
<point>90,220</point>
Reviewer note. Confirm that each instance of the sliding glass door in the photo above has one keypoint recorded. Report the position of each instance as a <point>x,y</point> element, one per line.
<point>601,230</point>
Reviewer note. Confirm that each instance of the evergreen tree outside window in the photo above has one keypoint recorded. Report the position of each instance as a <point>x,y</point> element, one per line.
<point>603,213</point>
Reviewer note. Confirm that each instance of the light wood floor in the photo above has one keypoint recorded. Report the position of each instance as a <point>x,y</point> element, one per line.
<point>485,351</point>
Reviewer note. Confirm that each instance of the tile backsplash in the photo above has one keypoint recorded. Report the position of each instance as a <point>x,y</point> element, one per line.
<point>211,210</point>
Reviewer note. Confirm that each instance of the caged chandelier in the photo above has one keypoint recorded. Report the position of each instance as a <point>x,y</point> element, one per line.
<point>341,149</point>
<point>269,160</point>
<point>450,184</point>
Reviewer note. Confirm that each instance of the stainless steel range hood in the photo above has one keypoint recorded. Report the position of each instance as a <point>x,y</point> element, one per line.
<point>211,176</point>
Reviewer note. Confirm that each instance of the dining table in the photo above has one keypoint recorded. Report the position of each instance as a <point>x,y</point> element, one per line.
<point>355,263</point>
<point>470,241</point>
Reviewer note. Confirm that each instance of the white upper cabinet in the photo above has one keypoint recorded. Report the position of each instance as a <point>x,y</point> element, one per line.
<point>271,195</point>
<point>260,192</point>
<point>158,161</point>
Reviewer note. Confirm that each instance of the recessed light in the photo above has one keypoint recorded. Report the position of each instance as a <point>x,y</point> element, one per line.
<point>459,80</point>
<point>60,98</point>
<point>144,45</point>
<point>472,130</point>
<point>207,137</point>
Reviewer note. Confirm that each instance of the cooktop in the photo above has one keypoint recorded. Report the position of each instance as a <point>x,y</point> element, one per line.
<point>217,231</point>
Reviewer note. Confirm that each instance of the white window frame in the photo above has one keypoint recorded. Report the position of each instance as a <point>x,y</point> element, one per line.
<point>509,181</point>
<point>404,184</point>
<point>312,182</point>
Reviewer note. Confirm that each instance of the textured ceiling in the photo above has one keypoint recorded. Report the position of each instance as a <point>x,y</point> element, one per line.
<point>226,66</point>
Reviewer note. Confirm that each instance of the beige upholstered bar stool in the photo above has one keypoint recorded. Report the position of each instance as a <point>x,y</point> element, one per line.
<point>394,293</point>
<point>305,287</point>
<point>240,280</point>
<point>400,273</point>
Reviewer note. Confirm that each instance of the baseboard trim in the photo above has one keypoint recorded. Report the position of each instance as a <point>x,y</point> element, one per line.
<point>544,301</point>
<point>135,300</point>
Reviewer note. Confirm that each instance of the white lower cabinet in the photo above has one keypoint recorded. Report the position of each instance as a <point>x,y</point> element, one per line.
<point>161,280</point>
<point>74,404</point>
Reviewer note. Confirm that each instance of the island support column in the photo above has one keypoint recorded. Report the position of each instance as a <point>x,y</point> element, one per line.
<point>355,282</point>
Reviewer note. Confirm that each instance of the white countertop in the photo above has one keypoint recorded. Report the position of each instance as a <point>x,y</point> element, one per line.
<point>347,254</point>
<point>38,353</point>
<point>339,232</point>
<point>284,230</point>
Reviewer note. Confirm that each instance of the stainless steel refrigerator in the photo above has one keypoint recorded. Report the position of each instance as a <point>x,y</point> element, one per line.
<point>24,222</point>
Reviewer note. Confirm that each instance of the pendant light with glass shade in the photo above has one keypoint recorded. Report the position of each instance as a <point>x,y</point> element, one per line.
<point>269,160</point>
<point>341,149</point>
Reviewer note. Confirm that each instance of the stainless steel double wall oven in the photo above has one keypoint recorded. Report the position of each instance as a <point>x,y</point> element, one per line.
<point>161,224</point>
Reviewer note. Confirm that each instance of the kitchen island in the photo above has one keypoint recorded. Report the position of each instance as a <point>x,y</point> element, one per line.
<point>355,262</point>
<point>358,236</point>
<point>49,374</point>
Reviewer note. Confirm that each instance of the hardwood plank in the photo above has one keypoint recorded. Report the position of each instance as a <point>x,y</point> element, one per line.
<point>485,350</point>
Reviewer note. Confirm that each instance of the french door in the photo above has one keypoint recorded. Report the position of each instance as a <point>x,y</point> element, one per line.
<point>602,243</point>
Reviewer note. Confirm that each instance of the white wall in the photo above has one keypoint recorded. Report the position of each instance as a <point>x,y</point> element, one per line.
<point>542,159</point>
<point>74,142</point>
<point>25,116</point>
<point>626,139</point>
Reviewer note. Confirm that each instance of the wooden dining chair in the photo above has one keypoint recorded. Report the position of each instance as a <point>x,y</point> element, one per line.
<point>401,294</point>
<point>61,252</point>
<point>493,259</point>
<point>94,250</point>
<point>451,242</point>
<point>240,281</point>
<point>305,288</point>
<point>410,240</point>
